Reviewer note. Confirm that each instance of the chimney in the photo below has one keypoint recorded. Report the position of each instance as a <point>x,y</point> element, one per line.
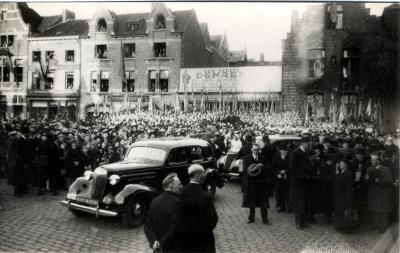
<point>67,15</point>
<point>261,57</point>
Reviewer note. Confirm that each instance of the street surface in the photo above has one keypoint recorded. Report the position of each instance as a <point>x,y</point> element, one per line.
<point>40,224</point>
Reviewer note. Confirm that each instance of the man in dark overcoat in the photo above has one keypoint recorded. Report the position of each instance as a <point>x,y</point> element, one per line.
<point>43,163</point>
<point>164,226</point>
<point>280,164</point>
<point>257,184</point>
<point>200,214</point>
<point>299,167</point>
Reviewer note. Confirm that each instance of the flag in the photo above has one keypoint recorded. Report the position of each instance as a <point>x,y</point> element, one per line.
<point>122,69</point>
<point>150,103</point>
<point>139,104</point>
<point>341,113</point>
<point>307,109</point>
<point>177,105</point>
<point>360,105</point>
<point>369,108</point>
<point>202,103</point>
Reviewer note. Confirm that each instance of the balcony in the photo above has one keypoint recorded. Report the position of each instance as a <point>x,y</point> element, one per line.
<point>10,86</point>
<point>53,93</point>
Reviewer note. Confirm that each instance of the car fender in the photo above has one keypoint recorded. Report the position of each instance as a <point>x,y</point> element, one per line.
<point>131,190</point>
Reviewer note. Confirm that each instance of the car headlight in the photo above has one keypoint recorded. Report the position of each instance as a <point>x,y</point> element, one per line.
<point>88,174</point>
<point>113,179</point>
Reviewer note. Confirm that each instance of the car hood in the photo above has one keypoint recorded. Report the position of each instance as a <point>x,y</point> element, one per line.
<point>129,165</point>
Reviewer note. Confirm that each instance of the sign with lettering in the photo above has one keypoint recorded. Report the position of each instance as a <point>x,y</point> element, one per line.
<point>231,79</point>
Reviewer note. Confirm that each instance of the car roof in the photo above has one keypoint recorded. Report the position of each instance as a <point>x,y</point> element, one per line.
<point>278,137</point>
<point>168,143</point>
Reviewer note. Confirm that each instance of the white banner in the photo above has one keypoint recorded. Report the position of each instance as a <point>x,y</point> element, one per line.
<point>234,79</point>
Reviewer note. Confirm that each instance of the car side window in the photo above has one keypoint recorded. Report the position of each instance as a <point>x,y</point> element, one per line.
<point>178,156</point>
<point>196,154</point>
<point>208,153</point>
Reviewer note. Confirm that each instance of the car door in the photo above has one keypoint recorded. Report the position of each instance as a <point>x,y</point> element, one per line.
<point>178,162</point>
<point>198,155</point>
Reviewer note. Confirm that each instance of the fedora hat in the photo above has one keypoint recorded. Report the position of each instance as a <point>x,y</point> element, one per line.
<point>254,169</point>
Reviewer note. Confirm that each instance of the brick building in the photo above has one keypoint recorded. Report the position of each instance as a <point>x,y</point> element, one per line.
<point>341,63</point>
<point>72,68</point>
<point>17,23</point>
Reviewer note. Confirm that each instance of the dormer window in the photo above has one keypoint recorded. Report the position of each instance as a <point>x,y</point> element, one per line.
<point>160,22</point>
<point>133,27</point>
<point>101,25</point>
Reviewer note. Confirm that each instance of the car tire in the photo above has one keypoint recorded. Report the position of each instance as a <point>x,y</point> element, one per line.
<point>136,211</point>
<point>211,188</point>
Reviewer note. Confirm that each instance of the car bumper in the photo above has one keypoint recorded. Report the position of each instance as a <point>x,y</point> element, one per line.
<point>88,209</point>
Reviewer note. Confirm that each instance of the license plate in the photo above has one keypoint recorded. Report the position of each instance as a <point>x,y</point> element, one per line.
<point>87,201</point>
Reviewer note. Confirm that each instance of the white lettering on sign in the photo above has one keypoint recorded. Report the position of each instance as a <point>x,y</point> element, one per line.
<point>235,79</point>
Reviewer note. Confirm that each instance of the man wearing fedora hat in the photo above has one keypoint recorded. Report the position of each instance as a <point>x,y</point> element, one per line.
<point>257,185</point>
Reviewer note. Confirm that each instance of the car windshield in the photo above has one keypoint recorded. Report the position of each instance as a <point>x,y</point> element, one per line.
<point>146,154</point>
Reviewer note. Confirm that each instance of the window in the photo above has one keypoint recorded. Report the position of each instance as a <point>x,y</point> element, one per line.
<point>164,80</point>
<point>10,40</point>
<point>351,62</point>
<point>18,74</point>
<point>160,22</point>
<point>6,74</point>
<point>160,49</point>
<point>177,157</point>
<point>69,55</point>
<point>316,58</point>
<point>208,153</point>
<point>196,154</point>
<point>69,81</point>
<point>49,84</point>
<point>130,81</point>
<point>36,55</point>
<point>152,81</point>
<point>36,81</point>
<point>93,81</point>
<point>101,51</point>
<point>129,50</point>
<point>49,55</point>
<point>339,22</point>
<point>3,40</point>
<point>3,15</point>
<point>104,81</point>
<point>133,26</point>
<point>101,25</point>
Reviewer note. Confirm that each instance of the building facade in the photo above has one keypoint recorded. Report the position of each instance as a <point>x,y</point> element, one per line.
<point>73,68</point>
<point>341,63</point>
<point>17,23</point>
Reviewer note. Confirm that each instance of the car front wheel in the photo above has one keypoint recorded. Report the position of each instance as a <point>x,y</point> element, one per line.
<point>136,211</point>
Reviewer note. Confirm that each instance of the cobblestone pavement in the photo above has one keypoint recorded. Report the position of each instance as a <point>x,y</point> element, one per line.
<point>40,224</point>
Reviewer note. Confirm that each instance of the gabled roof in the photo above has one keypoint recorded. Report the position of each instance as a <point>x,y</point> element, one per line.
<point>30,16</point>
<point>78,27</point>
<point>216,40</point>
<point>49,21</point>
<point>135,18</point>
<point>182,18</point>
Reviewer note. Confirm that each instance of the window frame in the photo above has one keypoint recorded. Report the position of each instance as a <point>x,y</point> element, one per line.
<point>103,54</point>
<point>132,52</point>
<point>66,55</point>
<point>104,79</point>
<point>160,46</point>
<point>94,85</point>
<point>67,76</point>
<point>38,57</point>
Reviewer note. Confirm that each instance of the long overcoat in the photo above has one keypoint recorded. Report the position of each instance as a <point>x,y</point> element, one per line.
<point>379,197</point>
<point>299,168</point>
<point>343,192</point>
<point>256,189</point>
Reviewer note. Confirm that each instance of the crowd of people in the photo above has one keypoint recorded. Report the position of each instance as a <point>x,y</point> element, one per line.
<point>346,169</point>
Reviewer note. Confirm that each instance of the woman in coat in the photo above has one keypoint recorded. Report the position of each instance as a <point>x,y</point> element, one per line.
<point>379,196</point>
<point>344,216</point>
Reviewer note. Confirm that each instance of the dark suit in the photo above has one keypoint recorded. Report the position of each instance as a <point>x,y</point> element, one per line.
<point>164,222</point>
<point>217,147</point>
<point>280,167</point>
<point>299,168</point>
<point>201,218</point>
<point>256,189</point>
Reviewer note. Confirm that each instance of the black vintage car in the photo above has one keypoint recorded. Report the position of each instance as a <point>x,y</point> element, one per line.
<point>126,188</point>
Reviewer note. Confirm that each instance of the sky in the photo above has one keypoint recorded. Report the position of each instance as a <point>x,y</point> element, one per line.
<point>258,27</point>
